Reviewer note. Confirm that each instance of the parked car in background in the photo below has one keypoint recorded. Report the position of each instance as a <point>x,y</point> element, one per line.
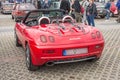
<point>56,4</point>
<point>6,7</point>
<point>20,10</point>
<point>101,11</point>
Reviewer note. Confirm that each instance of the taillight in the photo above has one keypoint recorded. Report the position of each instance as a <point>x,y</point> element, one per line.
<point>43,38</point>
<point>98,34</point>
<point>98,46</point>
<point>19,12</point>
<point>52,39</point>
<point>93,35</point>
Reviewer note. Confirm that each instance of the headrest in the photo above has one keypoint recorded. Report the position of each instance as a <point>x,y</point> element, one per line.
<point>67,18</point>
<point>44,20</point>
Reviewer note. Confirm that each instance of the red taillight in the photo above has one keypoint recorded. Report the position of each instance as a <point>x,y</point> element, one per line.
<point>20,12</point>
<point>93,35</point>
<point>98,34</point>
<point>43,38</point>
<point>52,39</point>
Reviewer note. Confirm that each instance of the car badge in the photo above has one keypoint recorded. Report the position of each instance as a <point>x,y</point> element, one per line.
<point>74,38</point>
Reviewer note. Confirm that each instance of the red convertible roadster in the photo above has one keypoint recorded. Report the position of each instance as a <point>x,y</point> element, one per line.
<point>49,37</point>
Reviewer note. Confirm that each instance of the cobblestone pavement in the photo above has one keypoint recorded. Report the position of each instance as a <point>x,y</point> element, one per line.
<point>12,60</point>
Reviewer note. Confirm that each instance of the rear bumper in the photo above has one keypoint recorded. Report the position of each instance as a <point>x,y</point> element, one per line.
<point>6,11</point>
<point>72,60</point>
<point>101,13</point>
<point>39,57</point>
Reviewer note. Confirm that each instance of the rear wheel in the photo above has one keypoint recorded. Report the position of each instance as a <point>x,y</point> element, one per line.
<point>15,19</point>
<point>17,41</point>
<point>103,16</point>
<point>12,17</point>
<point>29,63</point>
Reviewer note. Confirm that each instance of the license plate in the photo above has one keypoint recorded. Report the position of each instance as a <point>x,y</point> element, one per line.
<point>75,51</point>
<point>101,11</point>
<point>26,11</point>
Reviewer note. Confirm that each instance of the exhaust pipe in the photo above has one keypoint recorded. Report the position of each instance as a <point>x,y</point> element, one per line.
<point>50,64</point>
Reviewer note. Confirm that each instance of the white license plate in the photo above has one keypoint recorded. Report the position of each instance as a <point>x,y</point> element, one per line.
<point>101,11</point>
<point>26,11</point>
<point>75,51</point>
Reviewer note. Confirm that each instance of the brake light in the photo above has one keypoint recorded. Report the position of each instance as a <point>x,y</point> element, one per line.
<point>93,35</point>
<point>19,12</point>
<point>52,39</point>
<point>98,34</point>
<point>43,38</point>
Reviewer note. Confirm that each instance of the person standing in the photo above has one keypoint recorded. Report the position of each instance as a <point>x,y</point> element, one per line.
<point>72,9</point>
<point>84,4</point>
<point>118,6</point>
<point>39,6</point>
<point>91,11</point>
<point>107,7</point>
<point>45,4</point>
<point>77,11</point>
<point>0,5</point>
<point>65,5</point>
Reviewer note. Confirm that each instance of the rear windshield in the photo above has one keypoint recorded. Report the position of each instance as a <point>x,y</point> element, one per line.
<point>8,5</point>
<point>53,14</point>
<point>26,7</point>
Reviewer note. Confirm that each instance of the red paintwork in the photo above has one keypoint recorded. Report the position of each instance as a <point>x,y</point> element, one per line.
<point>64,39</point>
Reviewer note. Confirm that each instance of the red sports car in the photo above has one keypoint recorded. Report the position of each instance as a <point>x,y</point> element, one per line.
<point>49,37</point>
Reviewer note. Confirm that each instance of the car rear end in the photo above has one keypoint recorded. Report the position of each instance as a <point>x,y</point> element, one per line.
<point>7,8</point>
<point>101,11</point>
<point>64,49</point>
<point>62,53</point>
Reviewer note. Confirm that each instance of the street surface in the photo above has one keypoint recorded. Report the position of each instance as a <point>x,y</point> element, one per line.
<point>13,67</point>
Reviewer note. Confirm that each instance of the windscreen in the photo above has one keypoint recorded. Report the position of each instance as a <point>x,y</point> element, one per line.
<point>8,6</point>
<point>26,7</point>
<point>37,14</point>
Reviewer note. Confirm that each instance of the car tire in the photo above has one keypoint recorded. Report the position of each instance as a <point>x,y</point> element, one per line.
<point>29,63</point>
<point>103,16</point>
<point>12,17</point>
<point>17,41</point>
<point>15,19</point>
